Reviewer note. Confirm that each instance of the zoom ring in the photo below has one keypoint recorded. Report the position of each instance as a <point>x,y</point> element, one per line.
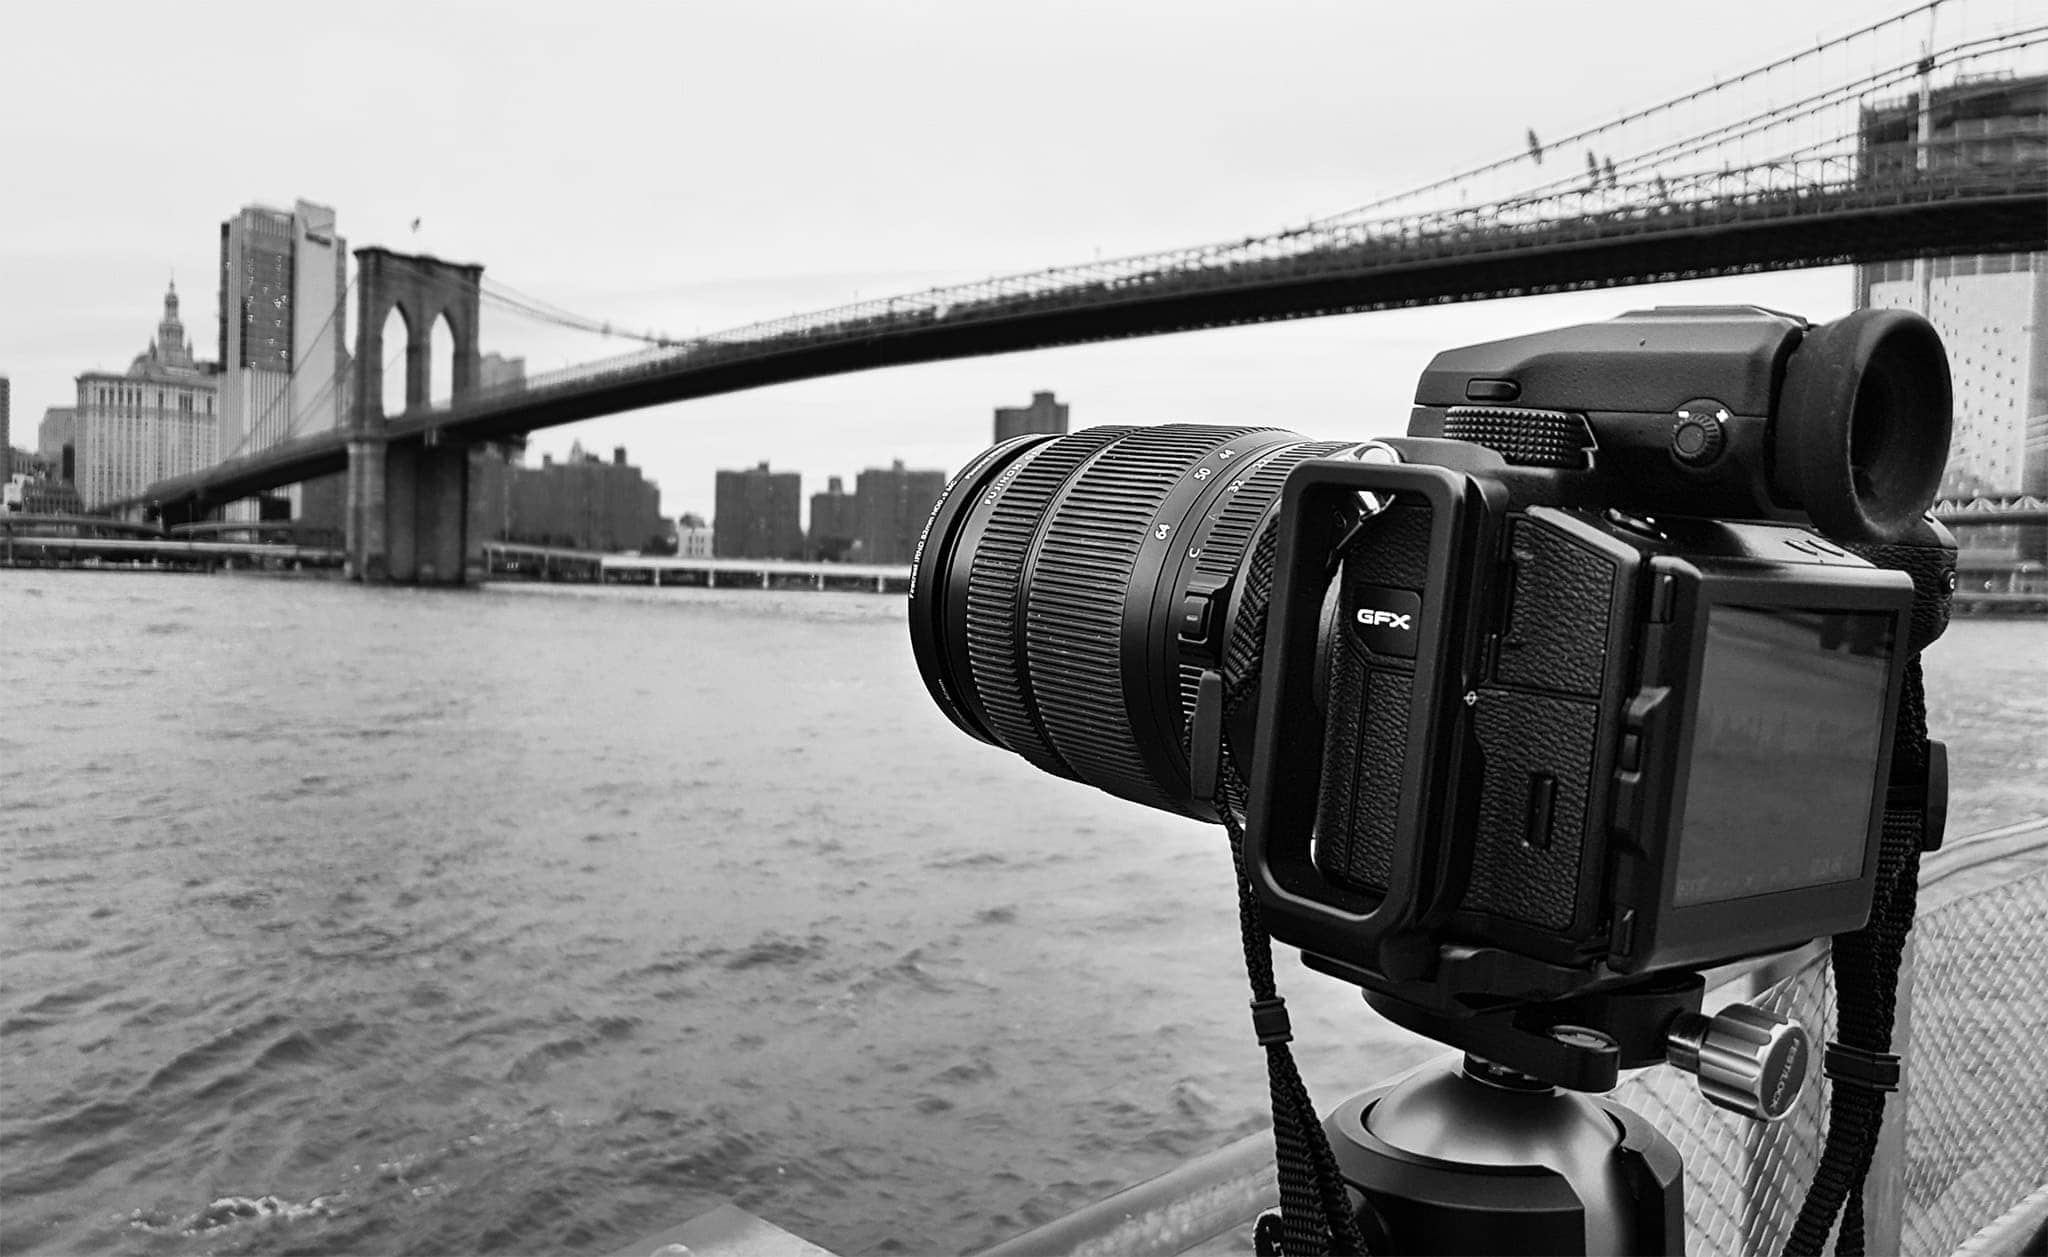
<point>995,657</point>
<point>1086,566</point>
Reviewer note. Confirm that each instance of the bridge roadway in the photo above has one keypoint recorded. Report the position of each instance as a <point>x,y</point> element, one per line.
<point>1781,216</point>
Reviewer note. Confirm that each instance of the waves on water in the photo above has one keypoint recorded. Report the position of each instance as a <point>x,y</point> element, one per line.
<point>345,920</point>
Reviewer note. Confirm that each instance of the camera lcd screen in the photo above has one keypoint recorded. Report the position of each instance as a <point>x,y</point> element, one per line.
<point>1784,752</point>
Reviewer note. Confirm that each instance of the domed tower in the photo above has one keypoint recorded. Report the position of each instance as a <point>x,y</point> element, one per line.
<point>172,349</point>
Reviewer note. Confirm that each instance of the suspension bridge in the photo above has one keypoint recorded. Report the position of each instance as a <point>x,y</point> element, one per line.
<point>1900,140</point>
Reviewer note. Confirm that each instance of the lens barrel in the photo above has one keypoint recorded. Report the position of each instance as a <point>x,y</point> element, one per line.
<point>1069,591</point>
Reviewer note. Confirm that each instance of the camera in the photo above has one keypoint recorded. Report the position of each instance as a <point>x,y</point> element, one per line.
<point>1587,682</point>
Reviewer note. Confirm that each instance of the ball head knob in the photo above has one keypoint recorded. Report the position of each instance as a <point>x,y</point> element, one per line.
<point>1745,1059</point>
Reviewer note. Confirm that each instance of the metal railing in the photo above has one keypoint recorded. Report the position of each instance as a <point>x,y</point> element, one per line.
<point>1964,1153</point>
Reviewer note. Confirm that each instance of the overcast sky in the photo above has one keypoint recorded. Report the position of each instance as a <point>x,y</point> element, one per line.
<point>689,167</point>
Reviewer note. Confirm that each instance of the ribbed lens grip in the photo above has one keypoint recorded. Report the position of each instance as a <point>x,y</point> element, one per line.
<point>1063,581</point>
<point>995,657</point>
<point>1075,616</point>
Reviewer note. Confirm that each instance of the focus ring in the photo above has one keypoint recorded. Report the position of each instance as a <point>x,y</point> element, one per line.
<point>1087,563</point>
<point>995,657</point>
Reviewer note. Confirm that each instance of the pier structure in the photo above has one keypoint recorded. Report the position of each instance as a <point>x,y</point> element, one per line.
<point>506,560</point>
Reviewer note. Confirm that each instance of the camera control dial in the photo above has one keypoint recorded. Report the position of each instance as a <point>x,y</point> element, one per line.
<point>1746,1060</point>
<point>1697,432</point>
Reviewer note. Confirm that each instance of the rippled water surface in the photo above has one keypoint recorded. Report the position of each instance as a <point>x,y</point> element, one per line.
<point>347,920</point>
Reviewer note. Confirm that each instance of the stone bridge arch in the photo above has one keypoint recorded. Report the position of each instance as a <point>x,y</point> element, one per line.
<point>423,290</point>
<point>408,495</point>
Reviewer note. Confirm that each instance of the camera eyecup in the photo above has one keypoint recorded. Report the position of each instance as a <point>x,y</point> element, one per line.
<point>1863,424</point>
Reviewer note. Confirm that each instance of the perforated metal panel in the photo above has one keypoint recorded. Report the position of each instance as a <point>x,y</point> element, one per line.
<point>1960,1169</point>
<point>1975,1097</point>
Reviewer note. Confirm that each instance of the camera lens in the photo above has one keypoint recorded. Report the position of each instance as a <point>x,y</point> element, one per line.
<point>1069,591</point>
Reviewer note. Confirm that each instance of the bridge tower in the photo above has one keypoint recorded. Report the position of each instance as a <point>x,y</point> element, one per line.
<point>408,500</point>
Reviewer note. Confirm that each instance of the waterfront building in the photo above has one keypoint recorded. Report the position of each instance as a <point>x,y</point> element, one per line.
<point>1991,311</point>
<point>31,491</point>
<point>894,504</point>
<point>835,523</point>
<point>755,514</point>
<point>6,433</point>
<point>693,537</point>
<point>154,421</point>
<point>1042,415</point>
<point>585,503</point>
<point>283,294</point>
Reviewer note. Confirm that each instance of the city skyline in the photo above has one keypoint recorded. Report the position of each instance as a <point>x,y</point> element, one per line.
<point>731,230</point>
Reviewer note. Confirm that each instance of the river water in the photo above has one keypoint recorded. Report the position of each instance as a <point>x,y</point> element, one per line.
<point>355,920</point>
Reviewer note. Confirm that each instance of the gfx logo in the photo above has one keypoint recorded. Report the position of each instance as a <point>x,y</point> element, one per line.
<point>1370,618</point>
<point>1386,621</point>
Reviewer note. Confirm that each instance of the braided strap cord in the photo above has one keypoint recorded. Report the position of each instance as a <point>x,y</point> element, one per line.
<point>1866,962</point>
<point>1315,1205</point>
<point>1315,1208</point>
<point>1866,969</point>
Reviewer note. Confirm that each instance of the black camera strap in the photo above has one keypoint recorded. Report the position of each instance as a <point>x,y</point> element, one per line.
<point>1315,1209</point>
<point>1859,1062</point>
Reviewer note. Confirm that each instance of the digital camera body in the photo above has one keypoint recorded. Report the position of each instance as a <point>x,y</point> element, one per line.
<point>1588,682</point>
<point>1549,736</point>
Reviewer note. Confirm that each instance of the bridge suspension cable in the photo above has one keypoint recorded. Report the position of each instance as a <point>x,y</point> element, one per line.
<point>505,297</point>
<point>1587,134</point>
<point>1854,92</point>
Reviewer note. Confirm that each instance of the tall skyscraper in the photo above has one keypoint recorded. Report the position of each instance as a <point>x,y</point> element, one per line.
<point>835,522</point>
<point>755,514</point>
<point>1042,415</point>
<point>1991,311</point>
<point>6,431</point>
<point>155,421</point>
<point>894,504</point>
<point>283,298</point>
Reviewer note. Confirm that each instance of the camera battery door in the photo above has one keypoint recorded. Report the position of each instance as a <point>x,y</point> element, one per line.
<point>1545,727</point>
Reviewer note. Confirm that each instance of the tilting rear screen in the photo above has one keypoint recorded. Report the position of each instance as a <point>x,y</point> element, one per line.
<point>1785,743</point>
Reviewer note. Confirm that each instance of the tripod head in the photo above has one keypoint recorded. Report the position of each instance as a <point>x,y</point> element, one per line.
<point>1745,1059</point>
<point>1504,1151</point>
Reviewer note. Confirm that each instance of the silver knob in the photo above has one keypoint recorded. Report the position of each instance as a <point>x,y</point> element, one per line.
<point>1745,1059</point>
